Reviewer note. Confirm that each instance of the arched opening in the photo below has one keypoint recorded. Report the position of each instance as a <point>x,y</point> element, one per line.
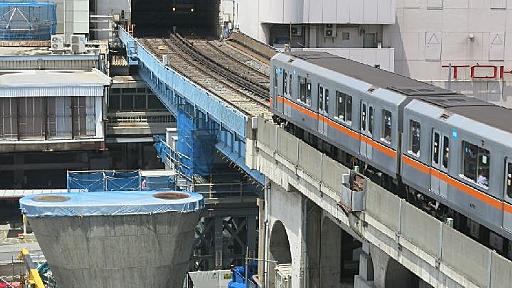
<point>279,250</point>
<point>399,276</point>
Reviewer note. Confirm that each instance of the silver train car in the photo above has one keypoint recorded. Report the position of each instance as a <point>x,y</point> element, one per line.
<point>455,149</point>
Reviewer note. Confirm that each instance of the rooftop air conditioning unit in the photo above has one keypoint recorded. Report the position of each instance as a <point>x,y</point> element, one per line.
<point>57,42</point>
<point>78,44</point>
<point>330,30</point>
<point>296,30</point>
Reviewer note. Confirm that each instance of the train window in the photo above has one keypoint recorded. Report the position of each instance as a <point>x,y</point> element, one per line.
<point>285,83</point>
<point>343,107</point>
<point>276,72</point>
<point>435,148</point>
<point>415,137</point>
<point>476,163</point>
<point>386,129</point>
<point>446,151</point>
<point>363,117</point>
<point>320,97</point>
<point>308,92</point>
<point>370,120</point>
<point>326,101</point>
<point>509,180</point>
<point>348,117</point>
<point>302,89</point>
<point>290,77</point>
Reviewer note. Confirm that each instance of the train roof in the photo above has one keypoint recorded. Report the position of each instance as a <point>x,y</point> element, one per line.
<point>452,102</point>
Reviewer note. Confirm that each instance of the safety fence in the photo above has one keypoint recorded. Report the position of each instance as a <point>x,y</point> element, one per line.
<point>110,180</point>
<point>27,20</point>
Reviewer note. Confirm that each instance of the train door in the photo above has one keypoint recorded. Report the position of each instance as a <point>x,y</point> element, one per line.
<point>287,92</point>
<point>367,125</point>
<point>440,161</point>
<point>507,217</point>
<point>323,109</point>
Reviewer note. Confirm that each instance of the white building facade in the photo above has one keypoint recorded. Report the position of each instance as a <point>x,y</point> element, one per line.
<point>457,44</point>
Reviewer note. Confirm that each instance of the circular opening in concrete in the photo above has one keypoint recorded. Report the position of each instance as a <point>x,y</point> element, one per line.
<point>51,198</point>
<point>171,195</point>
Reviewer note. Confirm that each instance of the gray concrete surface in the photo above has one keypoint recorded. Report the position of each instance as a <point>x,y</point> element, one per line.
<point>117,251</point>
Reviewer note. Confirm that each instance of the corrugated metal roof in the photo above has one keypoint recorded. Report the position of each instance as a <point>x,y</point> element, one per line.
<point>52,83</point>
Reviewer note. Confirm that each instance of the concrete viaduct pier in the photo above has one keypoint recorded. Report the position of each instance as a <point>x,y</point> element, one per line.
<point>115,239</point>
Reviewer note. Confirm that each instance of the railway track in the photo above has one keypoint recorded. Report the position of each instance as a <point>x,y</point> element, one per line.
<point>200,71</point>
<point>229,68</point>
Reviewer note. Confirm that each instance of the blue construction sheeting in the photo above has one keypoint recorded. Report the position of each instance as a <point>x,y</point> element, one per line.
<point>98,181</point>
<point>109,203</point>
<point>27,20</point>
<point>196,145</point>
<point>216,108</point>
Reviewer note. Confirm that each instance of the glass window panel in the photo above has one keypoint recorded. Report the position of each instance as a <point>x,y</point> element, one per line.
<point>470,163</point>
<point>386,126</point>
<point>415,138</point>
<point>446,151</point>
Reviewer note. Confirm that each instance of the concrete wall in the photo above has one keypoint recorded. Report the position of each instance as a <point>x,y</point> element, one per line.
<point>435,252</point>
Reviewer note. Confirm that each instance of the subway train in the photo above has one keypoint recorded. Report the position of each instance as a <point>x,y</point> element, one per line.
<point>455,149</point>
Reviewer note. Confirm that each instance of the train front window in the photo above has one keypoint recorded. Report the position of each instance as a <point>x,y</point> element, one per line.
<point>509,180</point>
<point>386,129</point>
<point>476,163</point>
<point>415,138</point>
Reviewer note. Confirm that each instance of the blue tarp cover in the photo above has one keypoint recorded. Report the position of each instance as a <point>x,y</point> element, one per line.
<point>108,203</point>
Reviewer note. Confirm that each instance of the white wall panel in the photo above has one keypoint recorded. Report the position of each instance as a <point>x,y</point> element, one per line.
<point>434,4</point>
<point>315,11</point>
<point>356,11</point>
<point>497,46</point>
<point>329,11</point>
<point>386,11</point>
<point>412,3</point>
<point>456,3</point>
<point>371,11</point>
<point>498,4</point>
<point>433,41</point>
<point>343,11</point>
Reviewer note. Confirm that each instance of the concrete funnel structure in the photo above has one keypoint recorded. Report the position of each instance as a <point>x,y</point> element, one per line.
<point>115,239</point>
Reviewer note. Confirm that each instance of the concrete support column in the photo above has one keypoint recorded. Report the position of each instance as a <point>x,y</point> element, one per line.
<point>19,174</point>
<point>331,262</point>
<point>218,227</point>
<point>251,236</point>
<point>261,239</point>
<point>365,277</point>
<point>313,243</point>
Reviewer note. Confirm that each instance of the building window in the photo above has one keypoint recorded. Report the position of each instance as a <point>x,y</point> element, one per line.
<point>476,163</point>
<point>446,151</point>
<point>509,180</point>
<point>8,119</point>
<point>343,107</point>
<point>415,138</point>
<point>345,36</point>
<point>386,129</point>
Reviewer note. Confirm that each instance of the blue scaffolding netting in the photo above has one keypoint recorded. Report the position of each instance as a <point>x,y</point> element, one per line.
<point>27,20</point>
<point>196,144</point>
<point>97,181</point>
